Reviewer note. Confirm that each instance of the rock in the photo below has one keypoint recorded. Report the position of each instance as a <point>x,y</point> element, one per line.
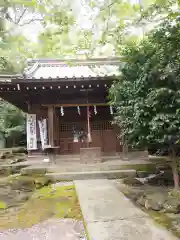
<point>132,182</point>
<point>152,204</point>
<point>30,171</point>
<point>5,170</point>
<point>142,174</point>
<point>5,155</point>
<point>155,201</point>
<point>17,160</point>
<point>172,205</point>
<point>23,183</point>
<point>41,182</point>
<point>23,197</point>
<point>19,150</point>
<point>141,201</point>
<point>134,194</point>
<point>16,169</point>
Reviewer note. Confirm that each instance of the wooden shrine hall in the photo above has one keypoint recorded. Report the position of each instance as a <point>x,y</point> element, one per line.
<point>66,104</point>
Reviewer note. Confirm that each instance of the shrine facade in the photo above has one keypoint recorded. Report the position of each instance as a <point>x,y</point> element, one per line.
<point>66,103</point>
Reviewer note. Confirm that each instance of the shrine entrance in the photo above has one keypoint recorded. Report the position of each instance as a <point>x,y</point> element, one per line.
<point>67,105</point>
<point>72,130</point>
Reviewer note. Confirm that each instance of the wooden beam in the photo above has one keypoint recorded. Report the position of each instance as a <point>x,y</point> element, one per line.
<point>75,105</point>
<point>50,125</point>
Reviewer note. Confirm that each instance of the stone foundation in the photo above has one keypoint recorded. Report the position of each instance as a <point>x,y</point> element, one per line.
<point>135,155</point>
<point>90,155</point>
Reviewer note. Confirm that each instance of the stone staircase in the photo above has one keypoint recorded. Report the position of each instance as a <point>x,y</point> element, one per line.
<point>68,167</point>
<point>70,158</point>
<point>84,175</point>
<point>76,171</point>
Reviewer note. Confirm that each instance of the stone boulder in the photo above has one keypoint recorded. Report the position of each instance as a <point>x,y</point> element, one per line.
<point>22,196</point>
<point>11,197</point>
<point>142,174</point>
<point>17,159</point>
<point>41,182</point>
<point>134,194</point>
<point>132,181</point>
<point>5,170</point>
<point>6,155</point>
<point>19,150</point>
<point>141,201</point>
<point>155,201</point>
<point>172,205</point>
<point>32,171</point>
<point>23,184</point>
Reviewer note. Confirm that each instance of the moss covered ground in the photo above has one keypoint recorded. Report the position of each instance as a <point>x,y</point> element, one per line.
<point>47,202</point>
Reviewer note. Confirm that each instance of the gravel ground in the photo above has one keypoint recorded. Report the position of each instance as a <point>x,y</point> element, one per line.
<point>52,229</point>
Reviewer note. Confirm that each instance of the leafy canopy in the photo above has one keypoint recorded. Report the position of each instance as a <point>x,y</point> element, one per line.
<point>147,95</point>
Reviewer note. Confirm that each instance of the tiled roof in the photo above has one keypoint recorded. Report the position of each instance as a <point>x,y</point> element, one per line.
<point>47,68</point>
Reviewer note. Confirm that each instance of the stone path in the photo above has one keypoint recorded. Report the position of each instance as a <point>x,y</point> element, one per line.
<point>52,229</point>
<point>109,215</point>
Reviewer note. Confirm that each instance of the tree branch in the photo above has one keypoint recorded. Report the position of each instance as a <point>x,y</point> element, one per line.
<point>21,16</point>
<point>30,21</point>
<point>109,6</point>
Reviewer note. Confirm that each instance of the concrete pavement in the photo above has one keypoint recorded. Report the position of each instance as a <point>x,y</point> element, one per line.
<point>109,215</point>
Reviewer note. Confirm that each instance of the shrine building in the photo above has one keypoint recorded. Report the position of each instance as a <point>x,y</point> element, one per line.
<point>66,103</point>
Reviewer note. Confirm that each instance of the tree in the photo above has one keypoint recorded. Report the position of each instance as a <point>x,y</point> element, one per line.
<point>147,95</point>
<point>62,36</point>
<point>12,122</point>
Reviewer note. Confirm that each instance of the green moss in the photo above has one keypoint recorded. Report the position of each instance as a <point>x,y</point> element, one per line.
<point>150,167</point>
<point>3,205</point>
<point>159,159</point>
<point>46,202</point>
<point>163,220</point>
<point>86,231</point>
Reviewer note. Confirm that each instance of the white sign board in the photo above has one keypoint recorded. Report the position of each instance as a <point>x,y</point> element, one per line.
<point>43,132</point>
<point>31,132</point>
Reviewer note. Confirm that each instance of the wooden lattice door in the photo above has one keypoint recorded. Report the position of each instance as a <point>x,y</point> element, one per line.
<point>102,132</point>
<point>104,136</point>
<point>66,138</point>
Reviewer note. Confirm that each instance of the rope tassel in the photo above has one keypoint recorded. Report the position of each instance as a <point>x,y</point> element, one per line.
<point>111,110</point>
<point>62,111</point>
<point>95,110</point>
<point>78,109</point>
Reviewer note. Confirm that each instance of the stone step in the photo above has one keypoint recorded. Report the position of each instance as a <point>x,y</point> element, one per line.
<point>74,168</point>
<point>84,168</point>
<point>59,159</point>
<point>69,158</point>
<point>78,167</point>
<point>68,176</point>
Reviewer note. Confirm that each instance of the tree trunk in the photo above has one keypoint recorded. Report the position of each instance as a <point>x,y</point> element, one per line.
<point>175,169</point>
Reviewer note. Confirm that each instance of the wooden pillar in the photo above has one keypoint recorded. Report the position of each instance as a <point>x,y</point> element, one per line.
<point>51,125</point>
<point>29,107</point>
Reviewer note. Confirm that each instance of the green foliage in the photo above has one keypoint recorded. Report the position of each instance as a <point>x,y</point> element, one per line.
<point>147,95</point>
<point>12,121</point>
